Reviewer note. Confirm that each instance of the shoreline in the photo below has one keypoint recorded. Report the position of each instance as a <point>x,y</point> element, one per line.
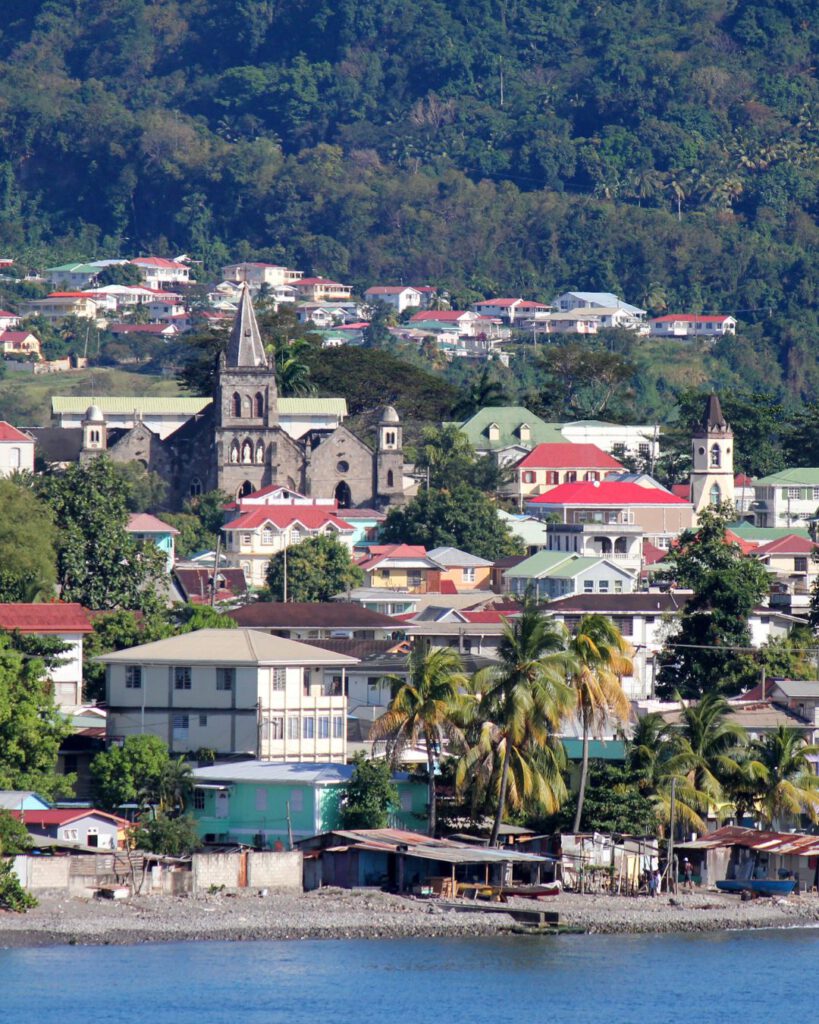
<point>371,914</point>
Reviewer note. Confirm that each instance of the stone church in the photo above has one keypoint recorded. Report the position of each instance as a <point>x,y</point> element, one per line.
<point>236,444</point>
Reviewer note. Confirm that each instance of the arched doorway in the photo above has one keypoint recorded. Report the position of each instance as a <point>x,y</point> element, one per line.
<point>244,490</point>
<point>344,496</point>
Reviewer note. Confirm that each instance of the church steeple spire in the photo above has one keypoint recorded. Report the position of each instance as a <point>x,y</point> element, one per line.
<point>245,346</point>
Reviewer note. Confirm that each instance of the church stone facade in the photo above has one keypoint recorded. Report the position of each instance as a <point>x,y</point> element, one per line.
<point>236,444</point>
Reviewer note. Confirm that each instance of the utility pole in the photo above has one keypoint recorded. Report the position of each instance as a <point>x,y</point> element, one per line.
<point>289,826</point>
<point>214,582</point>
<point>672,875</point>
<point>284,587</point>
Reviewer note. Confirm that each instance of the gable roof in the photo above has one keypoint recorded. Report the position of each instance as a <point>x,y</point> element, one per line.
<point>158,261</point>
<point>509,418</point>
<point>311,517</point>
<point>45,618</point>
<point>606,300</point>
<point>453,557</point>
<point>605,492</point>
<point>638,603</point>
<point>227,647</point>
<point>388,289</point>
<point>143,522</point>
<point>690,318</point>
<point>380,553</point>
<point>807,476</point>
<point>559,564</point>
<point>10,433</point>
<point>195,583</point>
<point>267,772</point>
<point>66,815</point>
<point>444,315</point>
<point>792,544</point>
<point>568,456</point>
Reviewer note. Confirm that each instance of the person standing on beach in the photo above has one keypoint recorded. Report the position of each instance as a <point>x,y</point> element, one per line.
<point>688,875</point>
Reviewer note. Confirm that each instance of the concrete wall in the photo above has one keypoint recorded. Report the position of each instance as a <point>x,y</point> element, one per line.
<point>37,873</point>
<point>281,872</point>
<point>216,869</point>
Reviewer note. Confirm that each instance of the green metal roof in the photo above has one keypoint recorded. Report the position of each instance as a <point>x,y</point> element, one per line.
<point>806,475</point>
<point>558,565</point>
<point>78,268</point>
<point>185,405</point>
<point>747,531</point>
<point>122,405</point>
<point>509,418</point>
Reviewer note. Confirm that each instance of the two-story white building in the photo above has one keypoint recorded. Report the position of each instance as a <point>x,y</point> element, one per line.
<point>157,272</point>
<point>235,691</point>
<point>258,274</point>
<point>67,622</point>
<point>16,450</point>
<point>692,325</point>
<point>400,297</point>
<point>789,498</point>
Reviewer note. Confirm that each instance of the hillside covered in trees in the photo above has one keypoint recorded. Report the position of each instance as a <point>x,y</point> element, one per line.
<point>663,151</point>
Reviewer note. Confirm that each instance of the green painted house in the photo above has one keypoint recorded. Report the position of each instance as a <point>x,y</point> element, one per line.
<point>261,803</point>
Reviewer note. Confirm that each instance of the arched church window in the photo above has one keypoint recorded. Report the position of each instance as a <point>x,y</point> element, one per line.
<point>259,404</point>
<point>195,488</point>
<point>247,452</point>
<point>259,452</point>
<point>236,402</point>
<point>245,489</point>
<point>247,406</point>
<point>715,495</point>
<point>234,452</point>
<point>344,496</point>
<point>390,478</point>
<point>716,456</point>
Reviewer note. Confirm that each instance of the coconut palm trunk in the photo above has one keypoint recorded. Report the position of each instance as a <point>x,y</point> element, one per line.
<point>504,782</point>
<point>433,809</point>
<point>584,775</point>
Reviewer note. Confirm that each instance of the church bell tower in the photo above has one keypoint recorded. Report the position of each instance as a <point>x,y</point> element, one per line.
<point>712,472</point>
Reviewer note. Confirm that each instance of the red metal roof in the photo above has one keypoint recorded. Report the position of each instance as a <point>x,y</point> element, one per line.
<point>488,616</point>
<point>311,517</point>
<point>45,618</point>
<point>606,492</point>
<point>15,335</point>
<point>741,480</point>
<point>568,456</point>
<point>65,815</point>
<point>5,313</point>
<point>71,295</point>
<point>10,433</point>
<point>682,491</point>
<point>379,553</point>
<point>442,315</point>
<point>792,544</point>
<point>158,261</point>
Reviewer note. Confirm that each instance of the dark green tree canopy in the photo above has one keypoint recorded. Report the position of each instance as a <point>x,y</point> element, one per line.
<point>317,568</point>
<point>369,794</point>
<point>708,649</point>
<point>28,557</point>
<point>462,517</point>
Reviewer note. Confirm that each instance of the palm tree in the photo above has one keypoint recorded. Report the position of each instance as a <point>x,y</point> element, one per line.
<point>292,372</point>
<point>170,791</point>
<point>601,659</point>
<point>483,391</point>
<point>646,752</point>
<point>706,752</point>
<point>788,784</point>
<point>525,700</point>
<point>423,709</point>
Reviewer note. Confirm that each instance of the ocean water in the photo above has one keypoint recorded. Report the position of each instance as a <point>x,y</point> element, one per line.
<point>752,977</point>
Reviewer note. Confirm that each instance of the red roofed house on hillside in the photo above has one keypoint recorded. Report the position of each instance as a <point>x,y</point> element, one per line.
<point>9,321</point>
<point>322,289</point>
<point>660,515</point>
<point>158,272</point>
<point>196,583</point>
<point>548,465</point>
<point>793,570</point>
<point>691,325</point>
<point>68,622</point>
<point>512,310</point>
<point>20,343</point>
<point>400,297</point>
<point>16,450</point>
<point>261,532</point>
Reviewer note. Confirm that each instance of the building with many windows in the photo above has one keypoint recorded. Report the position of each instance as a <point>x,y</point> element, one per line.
<point>235,691</point>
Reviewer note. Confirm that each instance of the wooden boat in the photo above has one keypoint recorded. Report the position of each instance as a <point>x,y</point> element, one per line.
<point>762,886</point>
<point>534,892</point>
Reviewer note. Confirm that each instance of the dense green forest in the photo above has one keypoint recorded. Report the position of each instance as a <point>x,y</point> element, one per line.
<point>664,151</point>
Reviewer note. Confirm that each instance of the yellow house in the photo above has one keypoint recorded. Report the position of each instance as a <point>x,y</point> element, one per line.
<point>402,567</point>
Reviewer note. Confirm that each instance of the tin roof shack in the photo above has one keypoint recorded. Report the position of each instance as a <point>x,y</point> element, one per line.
<point>598,862</point>
<point>744,853</point>
<point>406,861</point>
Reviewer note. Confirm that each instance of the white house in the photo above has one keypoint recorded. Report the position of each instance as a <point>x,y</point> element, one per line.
<point>789,498</point>
<point>16,450</point>
<point>258,274</point>
<point>66,622</point>
<point>235,691</point>
<point>397,296</point>
<point>552,574</point>
<point>619,439</point>
<point>512,310</point>
<point>595,300</point>
<point>158,272</point>
<point>8,321</point>
<point>691,325</point>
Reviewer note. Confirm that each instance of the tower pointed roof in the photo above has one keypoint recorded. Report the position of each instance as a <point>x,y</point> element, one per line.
<point>713,420</point>
<point>245,346</point>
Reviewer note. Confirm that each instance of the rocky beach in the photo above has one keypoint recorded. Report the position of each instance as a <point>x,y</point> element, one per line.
<point>337,914</point>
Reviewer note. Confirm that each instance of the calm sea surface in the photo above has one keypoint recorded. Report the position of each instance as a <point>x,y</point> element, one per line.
<point>750,978</point>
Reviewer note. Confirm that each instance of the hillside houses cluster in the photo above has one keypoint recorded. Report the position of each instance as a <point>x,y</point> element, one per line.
<point>162,305</point>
